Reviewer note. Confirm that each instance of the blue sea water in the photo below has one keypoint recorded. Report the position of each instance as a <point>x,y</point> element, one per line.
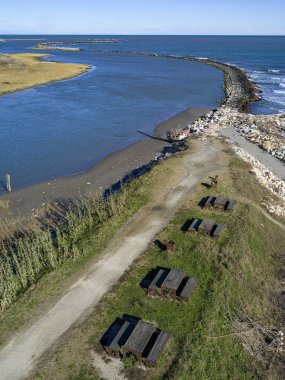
<point>63,128</point>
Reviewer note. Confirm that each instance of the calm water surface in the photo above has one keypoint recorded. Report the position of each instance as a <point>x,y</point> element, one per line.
<point>65,127</point>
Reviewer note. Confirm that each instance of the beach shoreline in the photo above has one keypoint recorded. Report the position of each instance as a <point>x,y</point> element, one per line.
<point>27,201</point>
<point>240,93</point>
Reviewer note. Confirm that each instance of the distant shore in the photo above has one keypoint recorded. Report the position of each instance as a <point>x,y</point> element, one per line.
<point>22,71</point>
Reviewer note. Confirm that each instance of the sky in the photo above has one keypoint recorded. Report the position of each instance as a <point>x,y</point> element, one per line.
<point>189,17</point>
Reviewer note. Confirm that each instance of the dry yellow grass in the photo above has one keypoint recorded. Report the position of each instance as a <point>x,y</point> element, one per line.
<point>25,70</point>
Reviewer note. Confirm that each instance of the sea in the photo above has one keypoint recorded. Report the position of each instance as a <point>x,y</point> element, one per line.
<point>64,128</point>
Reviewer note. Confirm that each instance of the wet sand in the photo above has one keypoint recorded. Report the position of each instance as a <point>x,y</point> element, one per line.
<point>105,173</point>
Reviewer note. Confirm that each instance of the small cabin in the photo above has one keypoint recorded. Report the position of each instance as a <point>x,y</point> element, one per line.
<point>218,203</point>
<point>132,336</point>
<point>169,282</point>
<point>206,226</point>
<point>218,230</point>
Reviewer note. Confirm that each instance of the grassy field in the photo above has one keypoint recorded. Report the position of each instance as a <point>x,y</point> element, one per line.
<point>51,283</point>
<point>25,70</point>
<point>237,273</point>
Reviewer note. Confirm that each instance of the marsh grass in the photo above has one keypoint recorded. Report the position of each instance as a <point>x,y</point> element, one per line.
<point>25,259</point>
<point>20,71</point>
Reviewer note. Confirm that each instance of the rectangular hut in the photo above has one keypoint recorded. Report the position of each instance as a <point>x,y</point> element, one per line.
<point>218,230</point>
<point>138,339</point>
<point>220,203</point>
<point>188,288</point>
<point>209,202</point>
<point>172,282</point>
<point>157,348</point>
<point>131,335</point>
<point>206,226</point>
<point>154,286</point>
<point>194,226</point>
<point>114,347</point>
<point>231,205</point>
<point>116,336</point>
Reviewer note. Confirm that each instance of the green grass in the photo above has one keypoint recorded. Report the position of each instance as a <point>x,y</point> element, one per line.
<point>46,286</point>
<point>234,272</point>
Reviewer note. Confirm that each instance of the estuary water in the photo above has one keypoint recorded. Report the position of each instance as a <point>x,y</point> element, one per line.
<point>65,127</point>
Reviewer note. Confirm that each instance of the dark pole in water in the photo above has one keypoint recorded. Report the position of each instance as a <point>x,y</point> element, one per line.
<point>8,181</point>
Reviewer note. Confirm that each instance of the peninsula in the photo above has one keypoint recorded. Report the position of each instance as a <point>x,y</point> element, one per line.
<point>93,270</point>
<point>25,70</point>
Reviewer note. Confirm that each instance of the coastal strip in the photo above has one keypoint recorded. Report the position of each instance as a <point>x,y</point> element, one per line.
<point>20,355</point>
<point>103,175</point>
<point>240,91</point>
<point>266,131</point>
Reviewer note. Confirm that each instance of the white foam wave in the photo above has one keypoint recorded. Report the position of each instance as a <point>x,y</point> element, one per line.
<point>282,84</point>
<point>279,92</point>
<point>274,71</point>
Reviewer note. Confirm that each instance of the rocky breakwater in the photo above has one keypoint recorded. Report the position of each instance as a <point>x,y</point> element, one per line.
<point>266,131</point>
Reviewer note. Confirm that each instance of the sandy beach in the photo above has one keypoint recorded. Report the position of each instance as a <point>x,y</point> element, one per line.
<point>26,201</point>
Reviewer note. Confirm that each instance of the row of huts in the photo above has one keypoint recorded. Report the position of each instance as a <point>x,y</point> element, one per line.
<point>130,335</point>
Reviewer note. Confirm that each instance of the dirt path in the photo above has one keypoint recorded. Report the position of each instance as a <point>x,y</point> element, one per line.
<point>18,358</point>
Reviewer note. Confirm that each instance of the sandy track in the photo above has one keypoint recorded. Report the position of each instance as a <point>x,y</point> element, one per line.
<point>19,356</point>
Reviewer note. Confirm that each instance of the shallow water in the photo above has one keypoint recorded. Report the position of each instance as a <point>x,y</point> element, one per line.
<point>63,128</point>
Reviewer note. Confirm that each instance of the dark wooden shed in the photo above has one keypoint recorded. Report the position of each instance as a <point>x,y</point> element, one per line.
<point>220,203</point>
<point>138,340</point>
<point>206,226</point>
<point>157,348</point>
<point>154,286</point>
<point>231,205</point>
<point>209,202</point>
<point>194,225</point>
<point>131,335</point>
<point>188,288</point>
<point>117,335</point>
<point>172,282</point>
<point>218,230</point>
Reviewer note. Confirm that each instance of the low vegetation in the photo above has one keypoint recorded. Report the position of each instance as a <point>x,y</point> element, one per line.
<point>37,267</point>
<point>25,70</point>
<point>236,275</point>
<point>24,260</point>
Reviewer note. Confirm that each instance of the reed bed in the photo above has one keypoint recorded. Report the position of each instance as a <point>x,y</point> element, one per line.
<point>57,239</point>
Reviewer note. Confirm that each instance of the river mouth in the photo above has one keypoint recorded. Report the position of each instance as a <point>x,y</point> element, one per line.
<point>65,128</point>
